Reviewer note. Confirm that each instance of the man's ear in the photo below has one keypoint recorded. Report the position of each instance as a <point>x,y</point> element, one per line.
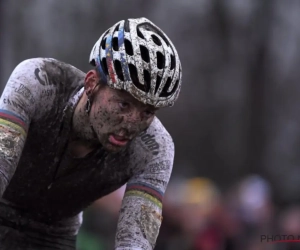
<point>90,82</point>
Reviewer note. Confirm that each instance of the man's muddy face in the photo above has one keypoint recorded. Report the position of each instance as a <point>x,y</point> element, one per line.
<point>117,117</point>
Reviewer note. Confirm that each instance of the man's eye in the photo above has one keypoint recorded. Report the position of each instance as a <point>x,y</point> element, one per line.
<point>123,105</point>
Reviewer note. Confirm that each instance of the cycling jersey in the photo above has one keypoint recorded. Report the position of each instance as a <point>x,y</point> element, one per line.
<point>45,190</point>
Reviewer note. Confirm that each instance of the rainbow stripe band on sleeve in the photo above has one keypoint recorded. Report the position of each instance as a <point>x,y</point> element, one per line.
<point>145,191</point>
<point>11,120</point>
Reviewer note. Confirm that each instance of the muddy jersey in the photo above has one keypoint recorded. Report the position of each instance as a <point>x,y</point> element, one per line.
<point>42,184</point>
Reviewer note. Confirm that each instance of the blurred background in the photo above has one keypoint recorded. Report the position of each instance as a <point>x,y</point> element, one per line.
<point>236,125</point>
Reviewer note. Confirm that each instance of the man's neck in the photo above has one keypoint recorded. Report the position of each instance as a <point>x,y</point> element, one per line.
<point>81,129</point>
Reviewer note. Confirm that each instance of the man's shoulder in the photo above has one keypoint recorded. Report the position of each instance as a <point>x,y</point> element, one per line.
<point>49,66</point>
<point>43,61</point>
<point>157,129</point>
<point>152,157</point>
<point>45,73</point>
<point>37,84</point>
<point>155,139</point>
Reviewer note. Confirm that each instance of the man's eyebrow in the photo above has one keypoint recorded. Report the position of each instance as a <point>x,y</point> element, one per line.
<point>119,94</point>
<point>124,97</point>
<point>127,97</point>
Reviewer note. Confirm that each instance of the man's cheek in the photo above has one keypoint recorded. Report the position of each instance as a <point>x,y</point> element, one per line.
<point>97,127</point>
<point>144,126</point>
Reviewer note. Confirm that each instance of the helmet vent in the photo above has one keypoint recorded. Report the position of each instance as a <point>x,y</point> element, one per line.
<point>175,87</point>
<point>126,26</point>
<point>135,78</point>
<point>118,69</point>
<point>160,60</point>
<point>156,40</point>
<point>128,47</point>
<point>104,66</point>
<point>172,62</point>
<point>145,53</point>
<point>93,62</point>
<point>147,79</point>
<point>158,81</point>
<point>103,43</point>
<point>140,34</point>
<point>115,44</point>
<point>164,92</point>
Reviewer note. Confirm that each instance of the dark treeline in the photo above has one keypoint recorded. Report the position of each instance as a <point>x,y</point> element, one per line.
<point>238,110</point>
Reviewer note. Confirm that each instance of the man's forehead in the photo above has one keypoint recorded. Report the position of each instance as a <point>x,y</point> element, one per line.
<point>128,97</point>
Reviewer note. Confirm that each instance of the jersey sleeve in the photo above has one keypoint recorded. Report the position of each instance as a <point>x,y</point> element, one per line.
<point>141,211</point>
<point>18,104</point>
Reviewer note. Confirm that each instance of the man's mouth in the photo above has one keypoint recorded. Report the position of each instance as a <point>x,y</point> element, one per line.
<point>118,140</point>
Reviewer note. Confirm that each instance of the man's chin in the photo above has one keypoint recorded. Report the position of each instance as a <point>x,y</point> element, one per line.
<point>113,148</point>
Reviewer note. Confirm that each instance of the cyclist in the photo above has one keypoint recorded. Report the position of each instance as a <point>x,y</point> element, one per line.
<point>69,138</point>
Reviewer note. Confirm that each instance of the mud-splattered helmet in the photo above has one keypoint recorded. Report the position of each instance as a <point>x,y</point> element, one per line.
<point>137,56</point>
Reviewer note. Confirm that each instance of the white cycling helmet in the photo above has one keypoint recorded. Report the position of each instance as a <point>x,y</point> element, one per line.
<point>137,56</point>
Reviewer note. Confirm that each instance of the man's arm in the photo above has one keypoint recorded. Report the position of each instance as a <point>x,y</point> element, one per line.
<point>141,212</point>
<point>17,106</point>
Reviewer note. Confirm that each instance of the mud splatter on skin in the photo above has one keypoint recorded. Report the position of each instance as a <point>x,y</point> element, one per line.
<point>117,112</point>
